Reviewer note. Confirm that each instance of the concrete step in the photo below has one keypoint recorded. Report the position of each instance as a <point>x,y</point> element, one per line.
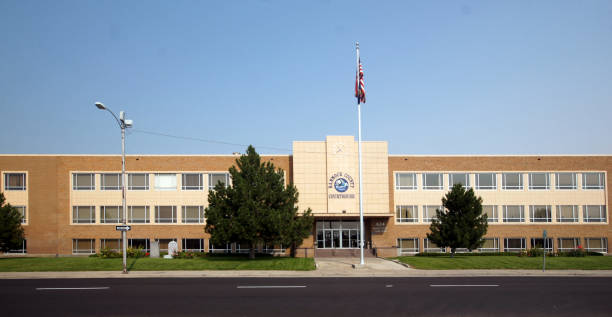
<point>345,253</point>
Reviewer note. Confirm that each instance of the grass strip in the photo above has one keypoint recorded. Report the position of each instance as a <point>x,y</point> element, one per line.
<point>507,262</point>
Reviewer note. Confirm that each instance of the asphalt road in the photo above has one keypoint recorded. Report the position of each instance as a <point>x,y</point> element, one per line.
<point>475,296</point>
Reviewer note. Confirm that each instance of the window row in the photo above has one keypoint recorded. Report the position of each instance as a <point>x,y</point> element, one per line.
<point>88,246</point>
<point>509,181</point>
<point>140,181</point>
<point>137,214</point>
<point>512,213</point>
<point>411,245</point>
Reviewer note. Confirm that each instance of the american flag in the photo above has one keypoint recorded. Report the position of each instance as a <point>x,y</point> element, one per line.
<point>359,85</point>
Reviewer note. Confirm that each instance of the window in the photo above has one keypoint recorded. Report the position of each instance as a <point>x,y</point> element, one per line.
<point>568,244</point>
<point>142,244</point>
<point>596,244</point>
<point>567,213</point>
<point>214,179</point>
<point>83,214</point>
<point>539,181</point>
<point>539,243</point>
<point>165,214</point>
<point>490,245</point>
<point>219,248</point>
<point>138,181</point>
<point>514,244</point>
<point>193,214</point>
<point>405,181</point>
<point>165,181</point>
<point>432,181</point>
<point>83,246</point>
<point>459,178</point>
<point>163,244</point>
<point>429,212</point>
<point>83,181</point>
<point>491,212</point>
<point>595,213</point>
<point>111,214</point>
<point>593,181</point>
<point>112,244</point>
<point>565,180</point>
<point>15,181</point>
<point>273,249</point>
<point>22,250</point>
<point>486,181</point>
<point>242,248</point>
<point>406,214</point>
<point>22,212</point>
<point>432,247</point>
<point>540,214</point>
<point>512,181</point>
<point>138,214</point>
<point>514,214</point>
<point>110,181</point>
<point>192,245</point>
<point>408,245</point>
<point>192,182</point>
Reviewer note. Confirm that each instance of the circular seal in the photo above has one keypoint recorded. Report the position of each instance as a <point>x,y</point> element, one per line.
<point>341,185</point>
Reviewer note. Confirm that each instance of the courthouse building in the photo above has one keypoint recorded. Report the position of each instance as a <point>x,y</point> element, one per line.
<point>72,203</point>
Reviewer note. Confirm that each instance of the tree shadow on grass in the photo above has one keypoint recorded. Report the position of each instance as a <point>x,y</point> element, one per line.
<point>131,265</point>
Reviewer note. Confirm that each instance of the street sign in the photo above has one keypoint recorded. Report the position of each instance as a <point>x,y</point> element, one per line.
<point>123,228</point>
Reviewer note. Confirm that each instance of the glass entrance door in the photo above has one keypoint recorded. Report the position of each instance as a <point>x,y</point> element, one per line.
<point>337,234</point>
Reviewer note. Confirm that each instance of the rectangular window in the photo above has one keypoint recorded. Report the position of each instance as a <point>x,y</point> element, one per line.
<point>110,181</point>
<point>408,245</point>
<point>491,212</point>
<point>22,250</point>
<point>405,181</point>
<point>565,180</point>
<point>567,213</point>
<point>22,212</point>
<point>486,181</point>
<point>165,214</point>
<point>594,213</point>
<point>165,181</point>
<point>429,212</point>
<point>539,181</point>
<point>514,214</point>
<point>142,244</point>
<point>432,247</point>
<point>138,181</point>
<point>219,248</point>
<point>192,245</point>
<point>514,244</point>
<point>83,246</point>
<point>83,214</point>
<point>193,181</point>
<point>490,245</point>
<point>539,243</point>
<point>272,249</point>
<point>112,244</point>
<point>406,214</point>
<point>596,244</point>
<point>593,181</point>
<point>215,178</point>
<point>540,213</point>
<point>163,244</point>
<point>432,181</point>
<point>512,181</point>
<point>459,178</point>
<point>111,214</point>
<point>15,181</point>
<point>568,244</point>
<point>138,214</point>
<point>83,181</point>
<point>193,214</point>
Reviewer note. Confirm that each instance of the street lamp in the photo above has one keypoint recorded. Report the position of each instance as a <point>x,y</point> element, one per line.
<point>123,123</point>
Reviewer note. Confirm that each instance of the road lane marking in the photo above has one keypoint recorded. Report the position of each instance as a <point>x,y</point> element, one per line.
<point>271,286</point>
<point>69,288</point>
<point>389,285</point>
<point>464,285</point>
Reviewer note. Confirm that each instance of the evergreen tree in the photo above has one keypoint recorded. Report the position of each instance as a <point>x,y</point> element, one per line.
<point>11,232</point>
<point>461,224</point>
<point>257,208</point>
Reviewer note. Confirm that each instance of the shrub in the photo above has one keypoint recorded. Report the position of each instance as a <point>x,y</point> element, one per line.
<point>188,254</point>
<point>135,252</point>
<point>468,254</point>
<point>107,253</point>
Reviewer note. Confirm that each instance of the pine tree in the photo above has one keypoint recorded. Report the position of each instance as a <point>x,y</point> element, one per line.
<point>11,232</point>
<point>461,224</point>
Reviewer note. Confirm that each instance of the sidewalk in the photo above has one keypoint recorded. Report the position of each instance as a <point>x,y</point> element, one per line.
<point>326,267</point>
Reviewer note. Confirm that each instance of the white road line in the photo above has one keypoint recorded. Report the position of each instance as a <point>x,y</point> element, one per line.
<point>271,286</point>
<point>388,285</point>
<point>69,288</point>
<point>465,285</point>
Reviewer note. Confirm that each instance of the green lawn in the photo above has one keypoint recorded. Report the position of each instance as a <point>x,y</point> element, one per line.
<point>149,264</point>
<point>507,262</point>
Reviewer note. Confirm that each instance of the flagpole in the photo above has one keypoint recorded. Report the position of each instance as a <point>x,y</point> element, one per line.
<point>360,182</point>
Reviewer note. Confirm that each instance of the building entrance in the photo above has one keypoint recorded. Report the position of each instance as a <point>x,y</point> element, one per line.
<point>337,234</point>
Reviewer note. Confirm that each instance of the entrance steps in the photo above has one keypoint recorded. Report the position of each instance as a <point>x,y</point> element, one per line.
<point>342,253</point>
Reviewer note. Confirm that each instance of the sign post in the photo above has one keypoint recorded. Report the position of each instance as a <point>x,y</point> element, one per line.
<point>545,247</point>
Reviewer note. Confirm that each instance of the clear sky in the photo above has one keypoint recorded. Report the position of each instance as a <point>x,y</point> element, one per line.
<point>442,77</point>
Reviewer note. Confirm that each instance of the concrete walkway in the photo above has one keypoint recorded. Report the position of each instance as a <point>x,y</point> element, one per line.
<point>326,267</point>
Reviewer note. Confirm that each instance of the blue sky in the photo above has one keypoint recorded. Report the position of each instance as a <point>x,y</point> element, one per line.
<point>442,77</point>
